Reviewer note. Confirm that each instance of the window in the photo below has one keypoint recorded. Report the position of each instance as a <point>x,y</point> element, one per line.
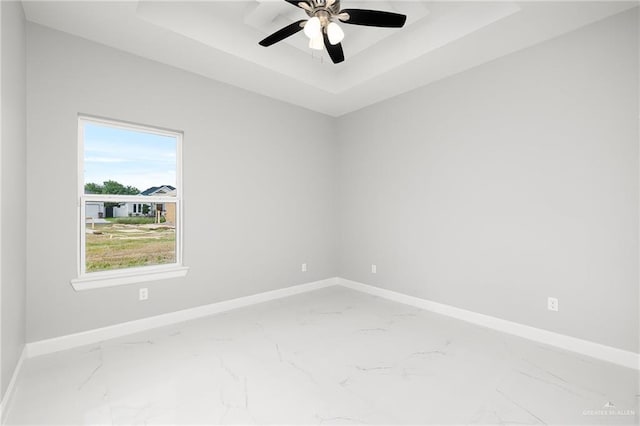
<point>130,199</point>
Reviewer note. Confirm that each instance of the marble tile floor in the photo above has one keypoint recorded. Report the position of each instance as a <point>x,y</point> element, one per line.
<point>332,356</point>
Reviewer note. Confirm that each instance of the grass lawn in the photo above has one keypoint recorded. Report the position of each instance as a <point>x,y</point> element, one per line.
<point>116,246</point>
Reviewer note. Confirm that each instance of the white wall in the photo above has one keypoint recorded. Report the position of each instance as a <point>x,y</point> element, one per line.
<point>12,188</point>
<point>258,197</point>
<point>498,187</point>
<point>122,211</point>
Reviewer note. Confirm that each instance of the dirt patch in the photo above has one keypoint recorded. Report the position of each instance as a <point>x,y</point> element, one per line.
<point>118,246</point>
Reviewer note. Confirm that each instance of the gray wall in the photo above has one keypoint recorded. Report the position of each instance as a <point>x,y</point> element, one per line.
<point>258,197</point>
<point>12,188</point>
<point>498,187</point>
<point>489,190</point>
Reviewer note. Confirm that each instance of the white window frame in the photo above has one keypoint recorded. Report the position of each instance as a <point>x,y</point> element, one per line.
<point>90,280</point>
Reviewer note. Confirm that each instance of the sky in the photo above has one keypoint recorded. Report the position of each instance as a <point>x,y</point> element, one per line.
<point>130,157</point>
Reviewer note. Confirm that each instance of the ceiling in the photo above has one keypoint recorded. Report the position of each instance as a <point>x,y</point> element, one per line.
<point>219,40</point>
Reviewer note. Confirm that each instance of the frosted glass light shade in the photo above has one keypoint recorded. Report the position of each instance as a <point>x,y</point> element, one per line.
<point>313,28</point>
<point>335,33</point>
<point>316,43</point>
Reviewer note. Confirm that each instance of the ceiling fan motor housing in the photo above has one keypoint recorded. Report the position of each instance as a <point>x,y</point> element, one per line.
<point>324,10</point>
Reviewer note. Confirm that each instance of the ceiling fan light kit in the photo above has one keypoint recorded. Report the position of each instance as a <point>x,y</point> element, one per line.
<point>316,43</point>
<point>335,33</point>
<point>313,28</point>
<point>323,30</point>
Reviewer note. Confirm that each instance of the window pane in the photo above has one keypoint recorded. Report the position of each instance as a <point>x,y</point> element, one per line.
<point>116,238</point>
<point>128,162</point>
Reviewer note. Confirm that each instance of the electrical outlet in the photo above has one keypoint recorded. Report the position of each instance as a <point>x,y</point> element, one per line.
<point>374,269</point>
<point>303,268</point>
<point>143,294</point>
<point>552,304</point>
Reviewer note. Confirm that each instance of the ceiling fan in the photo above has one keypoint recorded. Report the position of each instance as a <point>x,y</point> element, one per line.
<point>323,30</point>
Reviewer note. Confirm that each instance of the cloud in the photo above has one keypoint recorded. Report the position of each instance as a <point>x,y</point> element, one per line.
<point>105,160</point>
<point>130,157</point>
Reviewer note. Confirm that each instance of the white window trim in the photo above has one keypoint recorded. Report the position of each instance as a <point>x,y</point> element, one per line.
<point>91,280</point>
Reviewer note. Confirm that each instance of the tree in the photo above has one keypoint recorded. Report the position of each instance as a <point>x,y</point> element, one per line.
<point>93,188</point>
<point>110,187</point>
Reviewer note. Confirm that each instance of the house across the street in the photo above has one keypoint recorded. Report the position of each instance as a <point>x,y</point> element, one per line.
<point>100,209</point>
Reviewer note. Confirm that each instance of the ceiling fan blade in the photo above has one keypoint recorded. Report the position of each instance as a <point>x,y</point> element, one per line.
<point>283,33</point>
<point>374,18</point>
<point>334,50</point>
<point>297,3</point>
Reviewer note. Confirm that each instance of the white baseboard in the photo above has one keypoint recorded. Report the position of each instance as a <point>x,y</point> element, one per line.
<point>5,404</point>
<point>584,347</point>
<point>99,334</point>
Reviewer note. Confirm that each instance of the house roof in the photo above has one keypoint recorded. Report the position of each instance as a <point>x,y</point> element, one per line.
<point>154,190</point>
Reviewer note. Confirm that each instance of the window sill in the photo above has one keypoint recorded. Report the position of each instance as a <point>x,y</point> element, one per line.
<point>112,279</point>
